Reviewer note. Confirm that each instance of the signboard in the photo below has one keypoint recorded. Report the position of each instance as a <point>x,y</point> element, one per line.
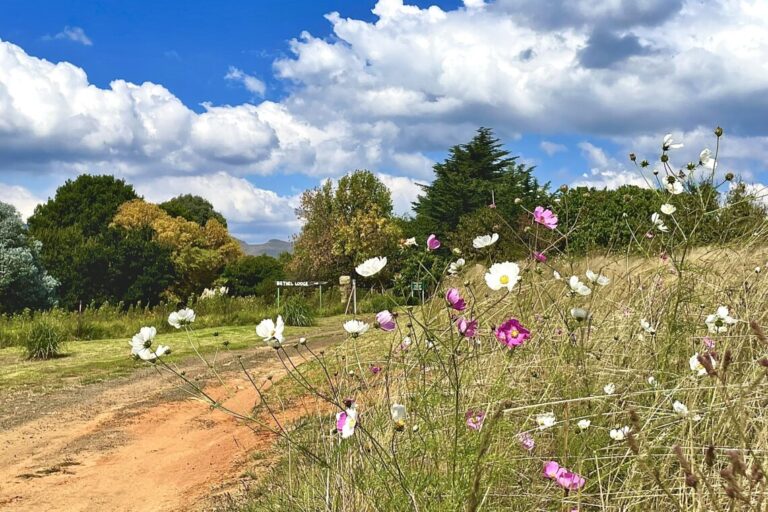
<point>417,286</point>
<point>300,284</point>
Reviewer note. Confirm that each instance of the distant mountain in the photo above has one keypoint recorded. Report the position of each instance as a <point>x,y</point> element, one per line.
<point>272,248</point>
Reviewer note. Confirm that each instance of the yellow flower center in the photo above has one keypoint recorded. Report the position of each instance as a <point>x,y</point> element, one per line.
<point>504,279</point>
<point>514,333</point>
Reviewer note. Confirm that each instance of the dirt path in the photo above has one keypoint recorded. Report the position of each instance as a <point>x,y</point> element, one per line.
<point>135,444</point>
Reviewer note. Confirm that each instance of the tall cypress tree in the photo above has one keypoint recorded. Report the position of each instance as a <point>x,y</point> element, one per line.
<point>467,180</point>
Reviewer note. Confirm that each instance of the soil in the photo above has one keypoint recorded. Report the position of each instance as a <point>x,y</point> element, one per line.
<point>138,443</point>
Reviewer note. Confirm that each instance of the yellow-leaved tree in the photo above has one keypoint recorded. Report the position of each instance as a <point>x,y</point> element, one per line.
<point>199,253</point>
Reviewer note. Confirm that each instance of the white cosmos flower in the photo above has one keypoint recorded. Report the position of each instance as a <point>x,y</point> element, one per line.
<point>578,287</point>
<point>410,242</point>
<point>502,275</point>
<point>668,209</point>
<point>658,223</point>
<point>673,186</point>
<point>647,327</point>
<point>271,332</point>
<point>456,266</point>
<point>347,420</point>
<point>181,317</point>
<point>583,424</point>
<point>545,420</point>
<point>597,278</point>
<point>719,321</point>
<point>557,275</point>
<point>371,266</point>
<point>706,160</point>
<point>696,365</point>
<point>609,388</point>
<point>399,414</point>
<point>355,327</point>
<point>619,434</point>
<point>669,143</point>
<point>652,380</point>
<point>143,339</point>
<point>485,241</point>
<point>680,408</point>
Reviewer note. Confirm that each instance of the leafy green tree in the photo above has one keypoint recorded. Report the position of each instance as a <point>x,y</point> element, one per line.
<point>471,177</point>
<point>253,275</point>
<point>88,203</point>
<point>193,208</point>
<point>23,281</point>
<point>342,227</point>
<point>93,262</point>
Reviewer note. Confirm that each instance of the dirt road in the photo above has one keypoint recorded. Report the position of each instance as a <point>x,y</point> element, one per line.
<point>132,444</point>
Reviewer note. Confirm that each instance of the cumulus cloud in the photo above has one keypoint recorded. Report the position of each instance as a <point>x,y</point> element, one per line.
<point>552,148</point>
<point>250,82</point>
<point>74,34</point>
<point>607,172</point>
<point>404,192</point>
<point>21,198</point>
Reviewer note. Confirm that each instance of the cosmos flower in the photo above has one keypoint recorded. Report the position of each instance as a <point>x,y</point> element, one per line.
<point>545,217</point>
<point>456,266</point>
<point>410,242</point>
<point>609,388</point>
<point>271,332</point>
<point>578,287</point>
<point>433,243</point>
<point>474,419</point>
<point>540,257</point>
<point>399,414</point>
<point>483,241</point>
<point>680,408</point>
<point>346,420</point>
<point>526,441</point>
<point>619,434</point>
<point>699,368</point>
<point>545,420</point>
<point>467,328</point>
<point>673,185</point>
<point>597,278</point>
<point>181,317</point>
<point>355,327</point>
<point>385,320</point>
<point>658,223</point>
<point>512,333</point>
<point>647,327</point>
<point>502,275</point>
<point>719,321</point>
<point>668,209</point>
<point>371,266</point>
<point>563,477</point>
<point>706,160</point>
<point>669,143</point>
<point>583,424</point>
<point>453,297</point>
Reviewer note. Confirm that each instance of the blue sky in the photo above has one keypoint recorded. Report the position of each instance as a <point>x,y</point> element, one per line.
<point>249,103</point>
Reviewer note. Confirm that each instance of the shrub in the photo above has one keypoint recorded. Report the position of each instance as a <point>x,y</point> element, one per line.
<point>297,312</point>
<point>43,339</point>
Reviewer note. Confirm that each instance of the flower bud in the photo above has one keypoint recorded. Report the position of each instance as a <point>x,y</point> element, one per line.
<point>518,200</point>
<point>644,163</point>
<point>729,176</point>
<point>632,157</point>
<point>563,188</point>
<point>664,158</point>
<point>718,132</point>
<point>655,172</point>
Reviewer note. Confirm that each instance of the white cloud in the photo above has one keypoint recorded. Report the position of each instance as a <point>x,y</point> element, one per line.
<point>607,172</point>
<point>236,198</point>
<point>404,192</point>
<point>21,198</point>
<point>552,148</point>
<point>250,82</point>
<point>75,34</point>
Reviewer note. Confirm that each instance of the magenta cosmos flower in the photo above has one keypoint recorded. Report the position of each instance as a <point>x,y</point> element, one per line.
<point>454,299</point>
<point>475,419</point>
<point>467,328</point>
<point>545,217</point>
<point>526,441</point>
<point>512,333</point>
<point>385,320</point>
<point>566,479</point>
<point>433,243</point>
<point>540,257</point>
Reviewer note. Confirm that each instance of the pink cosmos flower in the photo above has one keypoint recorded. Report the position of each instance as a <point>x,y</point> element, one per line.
<point>385,320</point>
<point>649,235</point>
<point>512,333</point>
<point>346,420</point>
<point>545,217</point>
<point>708,342</point>
<point>467,328</point>
<point>454,299</point>
<point>566,479</point>
<point>475,419</point>
<point>375,369</point>
<point>550,469</point>
<point>540,257</point>
<point>433,243</point>
<point>526,441</point>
